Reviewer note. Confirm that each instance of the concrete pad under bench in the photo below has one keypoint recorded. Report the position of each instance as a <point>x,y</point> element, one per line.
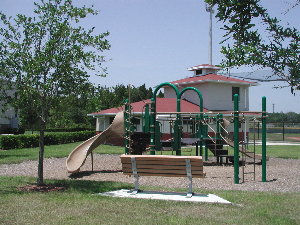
<point>170,196</point>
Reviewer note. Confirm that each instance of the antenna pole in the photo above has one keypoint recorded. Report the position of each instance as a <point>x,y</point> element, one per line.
<point>210,36</point>
<point>210,10</point>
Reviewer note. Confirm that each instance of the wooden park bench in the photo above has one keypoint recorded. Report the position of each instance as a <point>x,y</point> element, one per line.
<point>163,165</point>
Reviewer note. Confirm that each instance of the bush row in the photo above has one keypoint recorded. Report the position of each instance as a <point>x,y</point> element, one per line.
<point>32,140</point>
<point>67,129</point>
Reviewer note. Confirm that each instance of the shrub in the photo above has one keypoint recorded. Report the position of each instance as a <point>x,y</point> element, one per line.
<point>68,129</point>
<point>32,140</point>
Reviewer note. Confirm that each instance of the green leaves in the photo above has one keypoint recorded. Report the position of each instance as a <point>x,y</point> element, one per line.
<point>278,49</point>
<point>46,57</point>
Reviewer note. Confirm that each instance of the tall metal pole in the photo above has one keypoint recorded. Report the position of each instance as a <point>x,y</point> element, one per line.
<point>236,138</point>
<point>210,10</point>
<point>152,126</point>
<point>127,127</point>
<point>210,36</point>
<point>263,140</point>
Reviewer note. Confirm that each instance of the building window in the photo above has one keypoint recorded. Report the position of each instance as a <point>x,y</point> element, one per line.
<point>199,72</point>
<point>235,90</point>
<point>111,119</point>
<point>136,121</point>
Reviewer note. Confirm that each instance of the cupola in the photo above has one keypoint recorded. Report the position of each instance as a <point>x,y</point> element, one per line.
<point>204,69</point>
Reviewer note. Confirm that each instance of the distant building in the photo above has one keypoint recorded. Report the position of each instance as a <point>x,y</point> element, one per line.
<point>8,117</point>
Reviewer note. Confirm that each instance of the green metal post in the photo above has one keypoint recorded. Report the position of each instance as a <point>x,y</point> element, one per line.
<point>263,139</point>
<point>205,133</point>
<point>282,131</point>
<point>146,127</point>
<point>177,131</point>
<point>218,126</point>
<point>206,153</point>
<point>157,136</point>
<point>152,127</point>
<point>201,146</point>
<point>126,127</point>
<point>236,138</point>
<point>176,135</point>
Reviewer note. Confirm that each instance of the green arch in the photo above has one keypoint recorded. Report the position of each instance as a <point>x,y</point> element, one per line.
<point>174,88</point>
<point>199,94</point>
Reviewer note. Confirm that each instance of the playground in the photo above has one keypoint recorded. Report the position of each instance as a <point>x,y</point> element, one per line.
<point>149,142</point>
<point>245,174</point>
<point>231,161</point>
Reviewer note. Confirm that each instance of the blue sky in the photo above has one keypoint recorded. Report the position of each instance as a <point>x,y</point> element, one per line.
<point>155,41</point>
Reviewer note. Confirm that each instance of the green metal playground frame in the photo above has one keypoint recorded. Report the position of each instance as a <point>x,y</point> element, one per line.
<point>151,126</point>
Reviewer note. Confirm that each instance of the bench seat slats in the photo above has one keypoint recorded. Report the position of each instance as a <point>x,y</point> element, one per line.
<point>163,165</point>
<point>167,175</point>
<point>125,159</point>
<point>155,171</point>
<point>151,162</point>
<point>167,167</point>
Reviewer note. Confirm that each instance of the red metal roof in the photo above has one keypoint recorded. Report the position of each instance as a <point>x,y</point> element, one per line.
<point>212,78</point>
<point>162,105</point>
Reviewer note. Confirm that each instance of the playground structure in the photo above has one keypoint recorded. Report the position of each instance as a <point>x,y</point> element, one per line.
<point>123,124</point>
<point>201,135</point>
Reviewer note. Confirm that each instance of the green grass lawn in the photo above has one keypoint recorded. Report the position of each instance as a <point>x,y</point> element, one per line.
<point>288,137</point>
<point>52,151</point>
<point>79,205</point>
<point>277,151</point>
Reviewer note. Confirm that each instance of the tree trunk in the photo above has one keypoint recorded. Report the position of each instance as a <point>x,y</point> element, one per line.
<point>40,179</point>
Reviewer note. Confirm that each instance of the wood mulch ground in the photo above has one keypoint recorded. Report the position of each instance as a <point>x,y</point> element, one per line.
<point>283,175</point>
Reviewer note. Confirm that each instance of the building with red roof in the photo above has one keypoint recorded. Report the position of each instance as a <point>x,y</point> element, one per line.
<point>217,91</point>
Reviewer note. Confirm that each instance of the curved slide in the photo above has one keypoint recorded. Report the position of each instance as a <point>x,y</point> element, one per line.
<point>77,157</point>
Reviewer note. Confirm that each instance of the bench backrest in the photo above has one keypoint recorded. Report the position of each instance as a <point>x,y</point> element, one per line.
<point>163,165</point>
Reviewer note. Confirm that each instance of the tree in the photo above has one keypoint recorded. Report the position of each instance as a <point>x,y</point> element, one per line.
<point>49,56</point>
<point>273,47</point>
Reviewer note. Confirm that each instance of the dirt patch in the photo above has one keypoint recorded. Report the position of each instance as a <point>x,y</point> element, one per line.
<point>43,188</point>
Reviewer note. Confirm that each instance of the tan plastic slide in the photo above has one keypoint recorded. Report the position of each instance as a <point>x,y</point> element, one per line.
<point>77,157</point>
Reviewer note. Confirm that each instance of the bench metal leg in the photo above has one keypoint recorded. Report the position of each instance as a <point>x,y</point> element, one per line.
<point>189,177</point>
<point>136,185</point>
<point>136,176</point>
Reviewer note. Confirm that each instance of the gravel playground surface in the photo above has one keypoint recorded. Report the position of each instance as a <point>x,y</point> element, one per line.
<point>283,175</point>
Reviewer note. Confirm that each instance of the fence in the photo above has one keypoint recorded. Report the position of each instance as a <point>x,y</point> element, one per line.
<point>288,132</point>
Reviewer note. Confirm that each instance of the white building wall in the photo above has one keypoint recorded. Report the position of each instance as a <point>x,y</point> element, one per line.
<point>8,118</point>
<point>100,124</point>
<point>215,96</point>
